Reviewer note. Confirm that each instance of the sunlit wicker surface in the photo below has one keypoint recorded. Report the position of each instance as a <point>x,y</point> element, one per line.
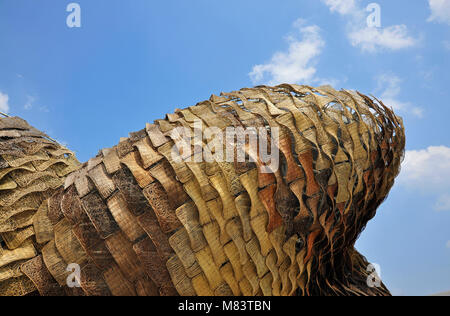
<point>32,167</point>
<point>138,222</point>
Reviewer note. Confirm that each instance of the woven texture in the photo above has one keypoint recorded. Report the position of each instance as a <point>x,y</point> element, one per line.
<point>138,222</point>
<point>32,167</point>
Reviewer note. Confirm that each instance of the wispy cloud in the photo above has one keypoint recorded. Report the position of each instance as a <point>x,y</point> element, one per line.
<point>427,171</point>
<point>29,104</point>
<point>298,63</point>
<point>443,203</point>
<point>390,89</point>
<point>440,11</point>
<point>44,109</point>
<point>446,45</point>
<point>370,39</point>
<point>448,244</point>
<point>4,102</point>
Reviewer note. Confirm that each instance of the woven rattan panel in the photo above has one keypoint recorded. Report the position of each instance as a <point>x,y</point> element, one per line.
<point>32,167</point>
<point>139,222</point>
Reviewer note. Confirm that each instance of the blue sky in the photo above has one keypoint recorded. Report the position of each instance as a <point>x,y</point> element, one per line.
<point>131,62</point>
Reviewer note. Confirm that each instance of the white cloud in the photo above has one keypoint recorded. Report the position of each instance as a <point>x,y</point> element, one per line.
<point>440,11</point>
<point>4,106</point>
<point>341,6</point>
<point>431,165</point>
<point>448,244</point>
<point>369,39</point>
<point>297,64</point>
<point>389,85</point>
<point>428,172</point>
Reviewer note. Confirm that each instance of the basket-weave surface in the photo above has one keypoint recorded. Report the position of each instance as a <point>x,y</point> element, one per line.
<point>32,167</point>
<point>139,222</point>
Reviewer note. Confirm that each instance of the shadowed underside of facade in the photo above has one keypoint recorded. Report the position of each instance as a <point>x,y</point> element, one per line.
<point>139,222</point>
